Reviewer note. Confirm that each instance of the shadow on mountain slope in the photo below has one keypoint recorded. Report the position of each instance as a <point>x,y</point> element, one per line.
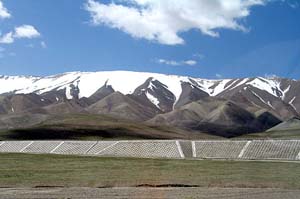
<point>97,127</point>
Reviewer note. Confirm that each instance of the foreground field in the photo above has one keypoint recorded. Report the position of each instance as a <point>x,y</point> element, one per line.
<point>25,170</point>
<point>57,176</point>
<point>146,193</point>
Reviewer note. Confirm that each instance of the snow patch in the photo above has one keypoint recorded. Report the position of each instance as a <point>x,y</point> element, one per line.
<point>241,83</point>
<point>153,100</point>
<point>15,83</point>
<point>268,85</point>
<point>261,99</point>
<point>206,85</point>
<point>285,92</point>
<point>269,103</point>
<point>291,103</point>
<point>232,83</point>
<point>68,92</point>
<point>219,88</point>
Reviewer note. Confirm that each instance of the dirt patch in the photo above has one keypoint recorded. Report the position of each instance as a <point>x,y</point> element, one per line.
<point>166,185</point>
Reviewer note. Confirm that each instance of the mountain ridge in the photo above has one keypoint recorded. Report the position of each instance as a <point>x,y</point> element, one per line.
<point>89,82</point>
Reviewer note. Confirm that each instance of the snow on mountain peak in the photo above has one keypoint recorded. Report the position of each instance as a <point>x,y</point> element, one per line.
<point>271,85</point>
<point>126,82</point>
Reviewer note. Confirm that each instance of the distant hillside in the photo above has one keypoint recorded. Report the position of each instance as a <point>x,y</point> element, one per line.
<point>217,116</point>
<point>97,127</point>
<point>291,124</point>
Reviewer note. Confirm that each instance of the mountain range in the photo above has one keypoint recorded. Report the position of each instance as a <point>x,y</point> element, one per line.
<point>222,107</point>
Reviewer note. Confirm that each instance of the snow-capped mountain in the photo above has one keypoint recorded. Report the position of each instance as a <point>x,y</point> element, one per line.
<point>245,104</point>
<point>88,83</point>
<point>264,91</point>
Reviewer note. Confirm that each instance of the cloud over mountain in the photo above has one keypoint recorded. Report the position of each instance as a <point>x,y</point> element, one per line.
<point>177,63</point>
<point>163,21</point>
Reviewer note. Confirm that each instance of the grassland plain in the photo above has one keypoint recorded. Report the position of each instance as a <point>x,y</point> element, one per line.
<point>26,170</point>
<point>147,193</point>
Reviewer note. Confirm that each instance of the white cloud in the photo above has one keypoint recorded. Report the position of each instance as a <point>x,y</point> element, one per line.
<point>219,76</point>
<point>43,44</point>
<point>190,62</point>
<point>3,11</point>
<point>199,55</point>
<point>164,20</point>
<point>168,62</point>
<point>24,31</point>
<point>270,76</point>
<point>294,5</point>
<point>177,63</point>
<point>30,45</point>
<point>7,38</point>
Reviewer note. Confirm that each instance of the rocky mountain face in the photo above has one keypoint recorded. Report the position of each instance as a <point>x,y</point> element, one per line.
<point>226,107</point>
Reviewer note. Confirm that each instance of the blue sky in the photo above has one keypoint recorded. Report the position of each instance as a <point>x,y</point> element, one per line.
<point>208,40</point>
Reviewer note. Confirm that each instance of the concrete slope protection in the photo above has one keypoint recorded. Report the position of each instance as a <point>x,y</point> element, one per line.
<point>281,150</point>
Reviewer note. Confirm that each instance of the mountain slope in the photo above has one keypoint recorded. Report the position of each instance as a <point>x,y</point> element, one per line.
<point>217,116</point>
<point>22,103</point>
<point>289,129</point>
<point>122,106</point>
<point>291,124</point>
